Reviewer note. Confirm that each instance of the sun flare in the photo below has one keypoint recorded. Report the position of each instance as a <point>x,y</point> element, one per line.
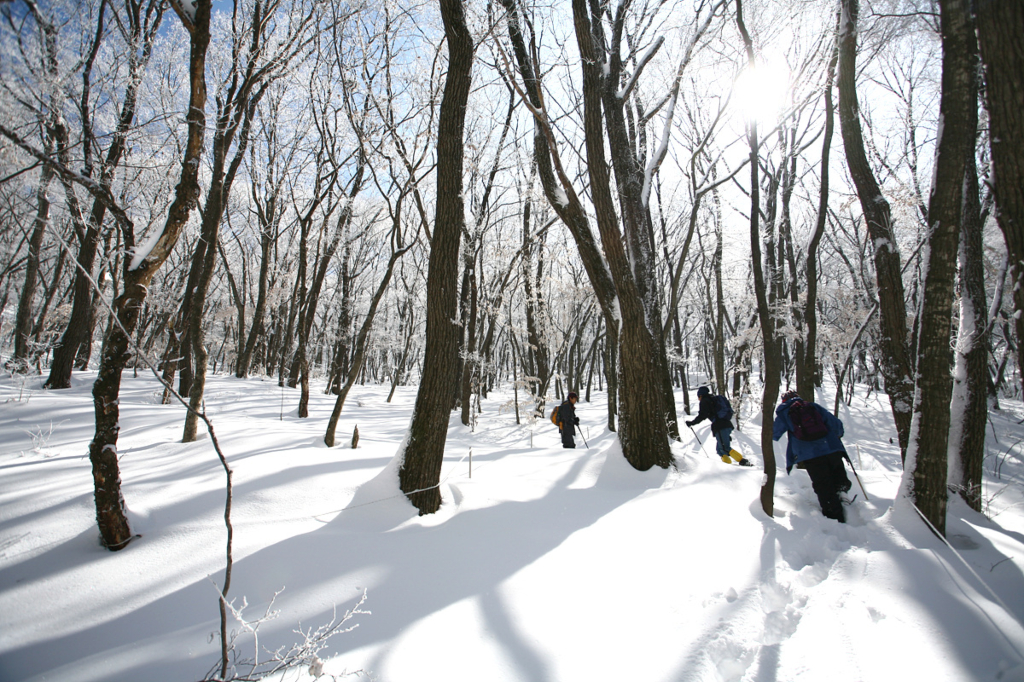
<point>760,92</point>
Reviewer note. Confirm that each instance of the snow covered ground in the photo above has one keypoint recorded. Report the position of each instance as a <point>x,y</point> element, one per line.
<point>544,565</point>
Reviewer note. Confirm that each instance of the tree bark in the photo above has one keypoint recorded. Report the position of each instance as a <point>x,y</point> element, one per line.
<point>807,363</point>
<point>565,202</point>
<point>643,428</point>
<point>772,364</point>
<point>929,434</point>
<point>420,472</point>
<point>23,318</point>
<point>1001,43</point>
<point>79,329</point>
<point>635,216</point>
<point>537,353</point>
<point>895,353</point>
<point>110,509</point>
<point>470,362</point>
<point>969,412</point>
<point>359,352</point>
<point>269,218</point>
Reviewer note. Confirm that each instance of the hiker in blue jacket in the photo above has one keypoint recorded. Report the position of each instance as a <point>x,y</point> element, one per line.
<point>815,444</point>
<point>721,426</point>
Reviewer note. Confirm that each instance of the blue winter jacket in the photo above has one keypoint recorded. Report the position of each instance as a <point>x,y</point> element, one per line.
<point>801,450</point>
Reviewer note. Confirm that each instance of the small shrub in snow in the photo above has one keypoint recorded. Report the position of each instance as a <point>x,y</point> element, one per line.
<point>303,654</point>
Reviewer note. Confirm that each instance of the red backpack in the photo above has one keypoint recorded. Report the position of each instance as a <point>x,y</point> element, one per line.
<point>807,421</point>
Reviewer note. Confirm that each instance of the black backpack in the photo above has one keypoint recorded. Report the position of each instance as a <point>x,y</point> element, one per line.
<point>723,409</point>
<point>807,421</point>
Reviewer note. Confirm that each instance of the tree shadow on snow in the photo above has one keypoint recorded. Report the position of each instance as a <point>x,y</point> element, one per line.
<point>395,562</point>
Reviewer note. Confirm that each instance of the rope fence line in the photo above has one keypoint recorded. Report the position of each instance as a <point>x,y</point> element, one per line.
<point>420,490</point>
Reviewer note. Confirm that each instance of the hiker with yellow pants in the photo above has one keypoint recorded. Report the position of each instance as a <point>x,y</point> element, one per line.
<point>717,410</point>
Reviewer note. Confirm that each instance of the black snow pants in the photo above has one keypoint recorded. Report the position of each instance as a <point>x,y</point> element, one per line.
<point>567,436</point>
<point>828,478</point>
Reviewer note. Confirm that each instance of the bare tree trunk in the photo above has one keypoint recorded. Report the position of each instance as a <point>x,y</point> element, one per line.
<point>80,325</point>
<point>719,316</point>
<point>807,363</point>
<point>23,319</point>
<point>259,58</point>
<point>537,353</point>
<point>643,428</point>
<point>565,202</point>
<point>400,369</point>
<point>312,299</point>
<point>341,363</point>
<point>929,434</point>
<point>110,509</point>
<point>420,472</point>
<point>1002,52</point>
<point>359,354</point>
<point>895,353</point>
<point>771,354</point>
<point>969,412</point>
<point>195,338</point>
<point>635,216</point>
<point>470,362</point>
<point>246,350</point>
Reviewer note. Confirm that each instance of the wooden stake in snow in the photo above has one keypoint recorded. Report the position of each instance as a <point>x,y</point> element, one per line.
<point>355,437</point>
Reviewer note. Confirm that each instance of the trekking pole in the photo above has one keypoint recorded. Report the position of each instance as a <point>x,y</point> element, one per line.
<point>695,435</point>
<point>698,440</point>
<point>580,431</point>
<point>857,476</point>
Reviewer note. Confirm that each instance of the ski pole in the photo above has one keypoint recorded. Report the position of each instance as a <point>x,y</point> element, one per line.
<point>857,476</point>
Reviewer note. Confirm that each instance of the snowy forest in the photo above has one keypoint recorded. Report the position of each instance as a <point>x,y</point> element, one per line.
<point>475,208</point>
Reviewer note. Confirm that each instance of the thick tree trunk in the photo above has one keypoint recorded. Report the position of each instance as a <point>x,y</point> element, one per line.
<point>565,202</point>
<point>969,412</point>
<point>420,472</point>
<point>636,218</point>
<point>110,508</point>
<point>895,353</point>
<point>1001,42</point>
<point>643,428</point>
<point>929,434</point>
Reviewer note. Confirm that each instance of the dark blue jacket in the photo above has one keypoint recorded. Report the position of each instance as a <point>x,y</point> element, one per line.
<point>708,409</point>
<point>567,415</point>
<point>802,450</point>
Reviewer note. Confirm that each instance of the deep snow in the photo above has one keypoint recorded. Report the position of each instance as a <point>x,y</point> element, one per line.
<point>546,564</point>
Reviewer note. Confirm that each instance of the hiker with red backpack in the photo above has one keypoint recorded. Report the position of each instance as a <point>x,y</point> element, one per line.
<point>815,444</point>
<point>717,410</point>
